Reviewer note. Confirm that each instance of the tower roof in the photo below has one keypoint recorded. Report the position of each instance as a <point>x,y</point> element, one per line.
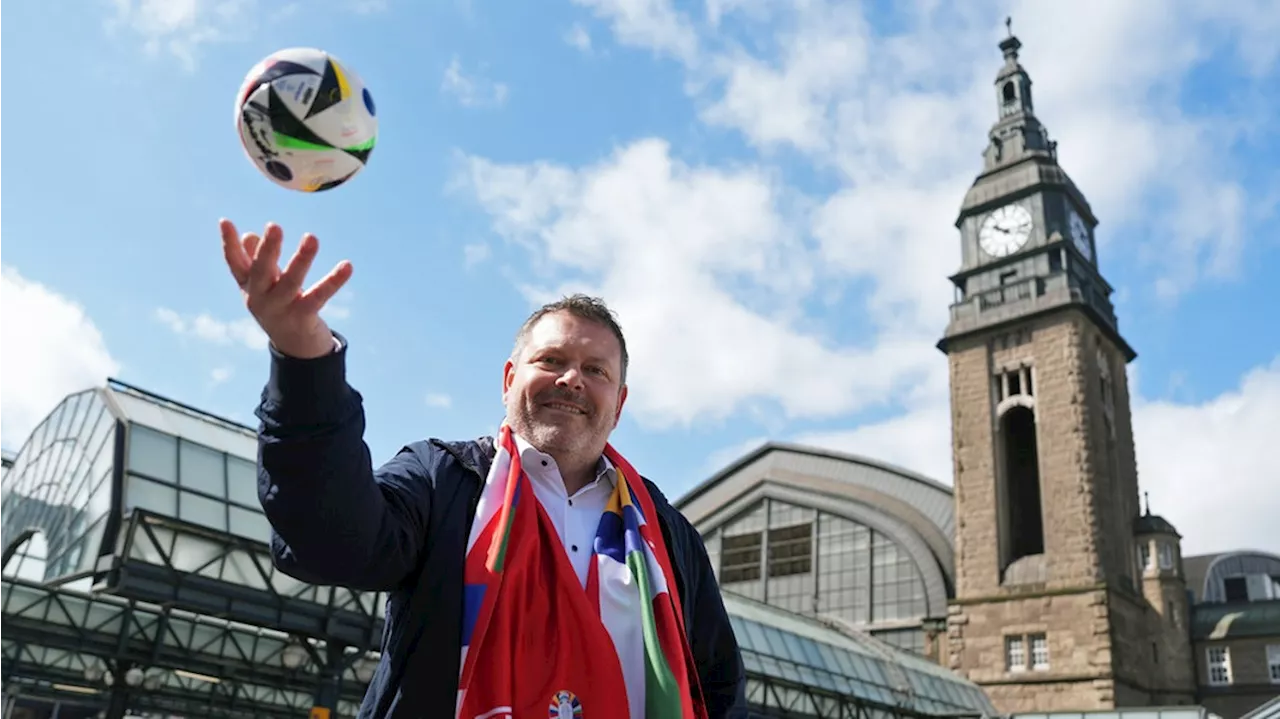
<point>1019,154</point>
<point>1150,523</point>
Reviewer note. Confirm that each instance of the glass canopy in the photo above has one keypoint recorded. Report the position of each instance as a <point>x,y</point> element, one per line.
<point>1171,712</point>
<point>59,488</point>
<point>812,654</point>
<point>67,641</point>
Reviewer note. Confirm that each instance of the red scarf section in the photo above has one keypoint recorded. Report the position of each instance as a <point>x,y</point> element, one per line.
<point>534,646</point>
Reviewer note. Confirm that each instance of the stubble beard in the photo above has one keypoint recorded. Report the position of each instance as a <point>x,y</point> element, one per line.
<point>568,438</point>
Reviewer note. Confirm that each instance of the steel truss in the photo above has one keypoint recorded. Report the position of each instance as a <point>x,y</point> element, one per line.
<point>195,665</point>
<point>168,561</point>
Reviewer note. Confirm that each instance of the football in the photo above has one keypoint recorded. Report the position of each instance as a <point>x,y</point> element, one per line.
<point>306,120</point>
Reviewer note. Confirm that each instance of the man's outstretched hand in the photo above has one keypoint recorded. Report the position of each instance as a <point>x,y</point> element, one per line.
<point>275,298</point>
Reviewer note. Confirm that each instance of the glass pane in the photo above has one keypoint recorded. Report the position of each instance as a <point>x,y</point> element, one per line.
<point>153,453</point>
<point>202,468</point>
<point>145,494</point>
<point>242,482</point>
<point>204,511</point>
<point>251,525</point>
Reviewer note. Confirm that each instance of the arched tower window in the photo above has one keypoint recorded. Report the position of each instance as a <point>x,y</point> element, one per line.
<point>1022,515</point>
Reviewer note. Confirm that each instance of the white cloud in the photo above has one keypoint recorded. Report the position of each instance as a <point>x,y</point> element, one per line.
<point>716,270</point>
<point>439,400</point>
<point>51,349</point>
<point>905,115</point>
<point>472,90</point>
<point>244,331</point>
<point>219,375</point>
<point>1224,442</point>
<point>181,27</point>
<point>652,24</point>
<point>578,37</point>
<point>704,270</point>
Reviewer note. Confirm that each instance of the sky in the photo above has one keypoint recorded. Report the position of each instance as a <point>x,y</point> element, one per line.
<point>765,193</point>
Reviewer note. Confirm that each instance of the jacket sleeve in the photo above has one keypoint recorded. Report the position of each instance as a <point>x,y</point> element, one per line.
<point>715,647</point>
<point>335,519</point>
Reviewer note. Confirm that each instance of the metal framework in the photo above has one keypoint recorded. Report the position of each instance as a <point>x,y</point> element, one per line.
<point>158,592</point>
<point>180,564</point>
<point>58,641</point>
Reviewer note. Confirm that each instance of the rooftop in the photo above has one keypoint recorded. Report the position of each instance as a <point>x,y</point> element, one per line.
<point>830,658</point>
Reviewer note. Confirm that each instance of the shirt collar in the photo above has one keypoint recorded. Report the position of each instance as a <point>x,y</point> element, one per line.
<point>604,468</point>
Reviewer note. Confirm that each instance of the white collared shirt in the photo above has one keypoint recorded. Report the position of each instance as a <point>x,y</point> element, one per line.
<point>576,518</point>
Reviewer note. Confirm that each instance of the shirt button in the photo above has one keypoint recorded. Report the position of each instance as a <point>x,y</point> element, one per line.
<point>574,547</point>
<point>544,463</point>
<point>571,503</point>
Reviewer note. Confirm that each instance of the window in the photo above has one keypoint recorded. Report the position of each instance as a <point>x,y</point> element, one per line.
<point>1015,654</point>
<point>1039,652</point>
<point>1166,555</point>
<point>1235,589</point>
<point>1144,556</point>
<point>740,558</point>
<point>145,494</point>
<point>242,482</point>
<point>1273,663</point>
<point>153,453</point>
<point>1219,665</point>
<point>202,469</point>
<point>203,511</point>
<point>790,549</point>
<point>1015,382</point>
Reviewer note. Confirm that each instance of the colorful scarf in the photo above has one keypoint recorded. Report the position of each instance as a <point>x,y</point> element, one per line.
<point>534,642</point>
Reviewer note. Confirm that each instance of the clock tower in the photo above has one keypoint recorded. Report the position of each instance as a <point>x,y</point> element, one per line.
<point>1049,612</point>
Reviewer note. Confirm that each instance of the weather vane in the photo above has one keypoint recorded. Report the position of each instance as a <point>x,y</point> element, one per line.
<point>1008,25</point>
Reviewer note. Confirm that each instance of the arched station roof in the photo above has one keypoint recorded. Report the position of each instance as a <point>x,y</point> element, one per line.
<point>915,511</point>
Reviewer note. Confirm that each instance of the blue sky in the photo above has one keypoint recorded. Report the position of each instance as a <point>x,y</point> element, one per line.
<point>765,193</point>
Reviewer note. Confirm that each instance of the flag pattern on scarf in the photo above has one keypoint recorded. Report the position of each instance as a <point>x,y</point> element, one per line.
<point>534,642</point>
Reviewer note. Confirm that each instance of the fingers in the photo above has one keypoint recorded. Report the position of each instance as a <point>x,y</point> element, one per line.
<point>319,293</point>
<point>265,268</point>
<point>296,271</point>
<point>254,263</point>
<point>237,259</point>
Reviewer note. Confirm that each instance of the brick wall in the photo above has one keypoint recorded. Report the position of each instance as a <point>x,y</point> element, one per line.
<point>1100,641</point>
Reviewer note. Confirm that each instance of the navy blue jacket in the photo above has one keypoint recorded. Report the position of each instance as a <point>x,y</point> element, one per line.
<point>402,529</point>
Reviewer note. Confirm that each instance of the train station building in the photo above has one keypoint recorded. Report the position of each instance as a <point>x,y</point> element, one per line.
<point>137,579</point>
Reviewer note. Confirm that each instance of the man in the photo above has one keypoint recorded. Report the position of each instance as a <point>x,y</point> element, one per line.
<point>529,573</point>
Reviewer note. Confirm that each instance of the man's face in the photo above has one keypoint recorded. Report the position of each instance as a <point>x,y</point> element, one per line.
<point>564,391</point>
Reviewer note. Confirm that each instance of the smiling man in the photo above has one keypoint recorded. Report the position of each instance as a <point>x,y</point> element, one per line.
<point>531,572</point>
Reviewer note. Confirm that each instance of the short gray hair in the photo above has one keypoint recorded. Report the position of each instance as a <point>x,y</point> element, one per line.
<point>592,309</point>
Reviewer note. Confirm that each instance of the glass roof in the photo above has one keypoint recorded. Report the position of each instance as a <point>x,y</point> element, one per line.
<point>1173,712</point>
<point>55,632</point>
<point>58,484</point>
<point>1217,622</point>
<point>141,407</point>
<point>780,644</point>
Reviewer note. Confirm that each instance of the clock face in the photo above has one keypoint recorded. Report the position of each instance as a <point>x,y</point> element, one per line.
<point>1005,230</point>
<point>1080,236</point>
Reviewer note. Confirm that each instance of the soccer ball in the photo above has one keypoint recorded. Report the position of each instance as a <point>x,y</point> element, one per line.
<point>305,120</point>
